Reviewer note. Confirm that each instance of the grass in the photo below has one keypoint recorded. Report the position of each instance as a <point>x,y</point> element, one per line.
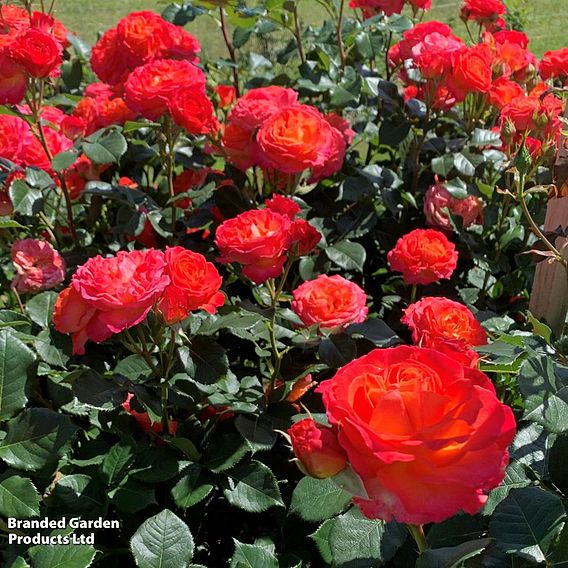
<point>545,20</point>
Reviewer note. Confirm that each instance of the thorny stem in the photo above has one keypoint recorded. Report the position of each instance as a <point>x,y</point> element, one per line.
<point>298,34</point>
<point>340,45</point>
<point>230,49</point>
<point>387,66</point>
<point>417,533</point>
<point>413,293</point>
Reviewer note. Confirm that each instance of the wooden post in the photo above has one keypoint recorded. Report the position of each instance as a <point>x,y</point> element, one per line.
<point>549,296</point>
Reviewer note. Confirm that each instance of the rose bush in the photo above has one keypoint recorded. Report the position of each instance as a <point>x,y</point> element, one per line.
<point>273,309</point>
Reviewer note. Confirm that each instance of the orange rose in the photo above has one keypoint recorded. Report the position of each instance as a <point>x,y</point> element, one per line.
<point>426,436</point>
<point>258,239</point>
<point>295,139</point>
<point>330,301</point>
<point>435,319</point>
<point>194,285</point>
<point>227,95</point>
<point>150,88</point>
<point>471,71</point>
<point>194,111</point>
<point>317,449</point>
<point>423,256</point>
<point>237,144</point>
<point>503,91</point>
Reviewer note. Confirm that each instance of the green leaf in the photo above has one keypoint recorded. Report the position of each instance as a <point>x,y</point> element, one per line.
<point>98,392</point>
<point>133,367</point>
<point>321,539</point>
<point>225,452</point>
<point>116,461</point>
<point>79,492</point>
<point>155,465</point>
<point>18,498</point>
<point>544,386</point>
<point>452,557</point>
<point>557,463</point>
<point>193,487</point>
<point>15,358</point>
<point>36,438</point>
<point>19,562</point>
<point>558,557</point>
<point>337,350</point>
<point>208,360</point>
<point>376,541</point>
<point>10,224</point>
<point>443,165</point>
<point>106,149</point>
<point>64,160</point>
<point>25,199</point>
<point>347,255</point>
<point>163,541</point>
<point>252,556</point>
<point>252,487</point>
<point>132,495</point>
<point>376,331</point>
<point>40,308</point>
<point>318,499</point>
<point>258,432</point>
<point>456,188</point>
<point>62,556</point>
<point>527,522</point>
<point>483,137</point>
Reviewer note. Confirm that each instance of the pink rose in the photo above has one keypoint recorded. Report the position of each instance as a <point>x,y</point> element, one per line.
<point>38,266</point>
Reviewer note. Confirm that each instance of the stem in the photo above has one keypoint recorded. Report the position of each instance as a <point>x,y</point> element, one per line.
<point>418,150</point>
<point>298,34</point>
<point>340,45</point>
<point>387,66</point>
<point>164,398</point>
<point>131,345</point>
<point>413,293</point>
<point>231,50</point>
<point>417,532</point>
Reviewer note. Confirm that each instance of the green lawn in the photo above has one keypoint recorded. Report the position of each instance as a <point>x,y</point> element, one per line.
<point>546,21</point>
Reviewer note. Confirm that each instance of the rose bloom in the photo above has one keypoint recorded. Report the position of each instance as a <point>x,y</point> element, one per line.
<point>145,423</point>
<point>335,162</point>
<point>342,125</point>
<point>258,239</point>
<point>13,80</point>
<point>304,237</point>
<point>150,88</point>
<point>194,112</point>
<point>471,71</point>
<point>554,64</point>
<point>283,205</point>
<point>427,436</point>
<point>194,285</point>
<point>317,449</point>
<point>371,8</point>
<point>423,256</point>
<point>107,60</point>
<point>482,11</point>
<point>434,319</point>
<point>503,91</point>
<point>330,301</point>
<point>433,55</point>
<point>38,266</point>
<point>50,25</point>
<point>13,132</point>
<point>295,139</point>
<point>258,105</point>
<point>109,295</point>
<point>37,52</point>
<point>438,198</point>
<point>227,95</point>
<point>237,144</point>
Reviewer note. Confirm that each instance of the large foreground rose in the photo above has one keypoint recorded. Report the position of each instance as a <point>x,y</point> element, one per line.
<point>426,435</point>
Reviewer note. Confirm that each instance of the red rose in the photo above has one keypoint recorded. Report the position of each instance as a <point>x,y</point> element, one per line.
<point>108,295</point>
<point>423,256</point>
<point>335,161</point>
<point>471,71</point>
<point>145,422</point>
<point>426,435</point>
<point>227,95</point>
<point>13,80</point>
<point>237,144</point>
<point>283,205</point>
<point>503,91</point>
<point>372,8</point>
<point>482,11</point>
<point>330,301</point>
<point>434,319</point>
<point>256,106</point>
<point>194,112</point>
<point>150,88</point>
<point>317,449</point>
<point>13,136</point>
<point>258,239</point>
<point>554,64</point>
<point>295,139</point>
<point>50,25</point>
<point>194,285</point>
<point>107,60</point>
<point>38,266</point>
<point>37,52</point>
<point>304,237</point>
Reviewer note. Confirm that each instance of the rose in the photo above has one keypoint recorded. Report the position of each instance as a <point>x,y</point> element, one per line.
<point>13,132</point>
<point>317,449</point>
<point>435,319</point>
<point>295,139</point>
<point>283,205</point>
<point>330,301</point>
<point>335,161</point>
<point>503,91</point>
<point>109,295</point>
<point>471,71</point>
<point>194,111</point>
<point>37,52</point>
<point>38,266</point>
<point>426,435</point>
<point>187,180</point>
<point>150,88</point>
<point>371,8</point>
<point>12,80</point>
<point>194,285</point>
<point>256,106</point>
<point>145,422</point>
<point>226,94</point>
<point>237,143</point>
<point>107,59</point>
<point>554,64</point>
<point>304,237</point>
<point>438,199</point>
<point>423,256</point>
<point>50,25</point>
<point>482,11</point>
<point>258,239</point>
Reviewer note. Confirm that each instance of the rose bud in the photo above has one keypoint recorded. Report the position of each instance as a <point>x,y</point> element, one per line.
<point>317,449</point>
